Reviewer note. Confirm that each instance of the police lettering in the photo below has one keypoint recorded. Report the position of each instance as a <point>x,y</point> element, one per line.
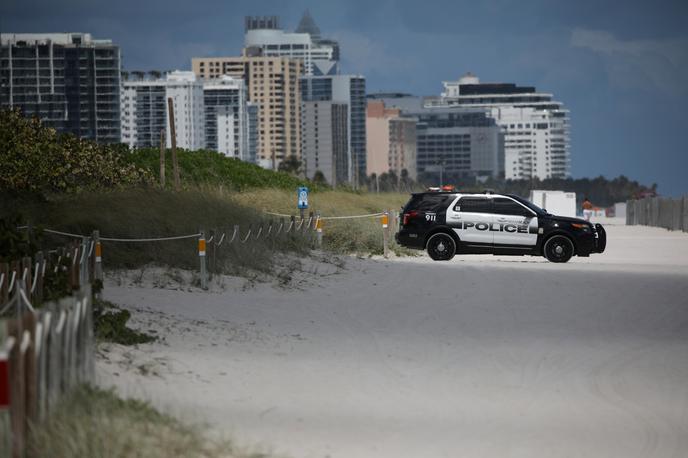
<point>495,227</point>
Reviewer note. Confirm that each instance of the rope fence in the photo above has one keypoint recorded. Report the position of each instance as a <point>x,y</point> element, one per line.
<point>311,227</point>
<point>368,215</point>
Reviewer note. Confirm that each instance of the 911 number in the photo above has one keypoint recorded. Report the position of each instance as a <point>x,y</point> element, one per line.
<point>430,217</point>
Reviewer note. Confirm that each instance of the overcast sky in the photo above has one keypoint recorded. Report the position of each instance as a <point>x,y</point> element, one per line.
<point>621,67</point>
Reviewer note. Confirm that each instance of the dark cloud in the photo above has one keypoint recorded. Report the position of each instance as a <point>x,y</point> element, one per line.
<point>620,66</point>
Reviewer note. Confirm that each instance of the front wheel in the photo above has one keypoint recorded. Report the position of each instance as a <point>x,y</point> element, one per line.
<point>441,247</point>
<point>558,248</point>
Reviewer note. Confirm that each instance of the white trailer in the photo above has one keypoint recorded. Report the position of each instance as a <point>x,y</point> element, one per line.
<point>559,203</point>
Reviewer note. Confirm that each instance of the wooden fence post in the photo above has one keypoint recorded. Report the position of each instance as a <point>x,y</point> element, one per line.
<point>74,267</point>
<point>42,346</point>
<point>73,345</point>
<point>202,259</point>
<point>385,234</point>
<point>17,387</point>
<point>37,295</point>
<point>26,275</point>
<point>98,263</point>
<point>6,275</point>
<point>162,158</point>
<point>30,367</point>
<point>173,138</point>
<point>6,350</point>
<point>83,261</point>
<point>56,363</point>
<point>90,341</point>
<point>319,229</point>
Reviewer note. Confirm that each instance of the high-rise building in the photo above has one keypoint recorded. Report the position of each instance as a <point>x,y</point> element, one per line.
<point>325,140</point>
<point>273,85</point>
<point>145,111</point>
<point>391,140</point>
<point>349,90</point>
<point>462,143</point>
<point>319,56</point>
<point>68,80</point>
<point>458,143</point>
<point>537,139</point>
<point>215,114</point>
<point>186,91</point>
<point>227,118</point>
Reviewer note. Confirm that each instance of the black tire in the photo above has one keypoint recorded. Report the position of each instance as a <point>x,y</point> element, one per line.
<point>441,247</point>
<point>558,248</point>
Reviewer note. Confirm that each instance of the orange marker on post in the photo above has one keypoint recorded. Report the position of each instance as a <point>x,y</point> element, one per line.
<point>318,229</point>
<point>201,256</point>
<point>201,247</point>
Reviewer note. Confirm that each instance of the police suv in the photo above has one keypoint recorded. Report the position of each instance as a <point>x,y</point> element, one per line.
<point>449,223</point>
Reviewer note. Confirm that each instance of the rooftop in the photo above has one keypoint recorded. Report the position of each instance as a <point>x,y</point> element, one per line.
<point>62,38</point>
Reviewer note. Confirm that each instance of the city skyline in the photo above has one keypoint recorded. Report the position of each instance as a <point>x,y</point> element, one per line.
<point>619,67</point>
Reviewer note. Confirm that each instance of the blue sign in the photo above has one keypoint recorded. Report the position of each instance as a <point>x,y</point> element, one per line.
<point>303,197</point>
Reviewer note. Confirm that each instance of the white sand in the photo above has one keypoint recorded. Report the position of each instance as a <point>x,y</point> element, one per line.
<point>479,357</point>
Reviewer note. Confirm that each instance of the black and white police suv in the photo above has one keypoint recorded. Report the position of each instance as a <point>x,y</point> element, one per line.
<point>449,223</point>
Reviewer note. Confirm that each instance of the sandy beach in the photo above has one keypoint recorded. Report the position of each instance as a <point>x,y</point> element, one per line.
<point>482,356</point>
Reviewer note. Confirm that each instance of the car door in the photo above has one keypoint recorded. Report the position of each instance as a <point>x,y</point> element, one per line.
<point>471,219</point>
<point>514,224</point>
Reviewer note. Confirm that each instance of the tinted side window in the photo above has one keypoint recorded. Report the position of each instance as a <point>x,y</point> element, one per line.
<point>504,206</point>
<point>474,205</point>
<point>413,203</point>
<point>427,202</point>
<point>431,202</point>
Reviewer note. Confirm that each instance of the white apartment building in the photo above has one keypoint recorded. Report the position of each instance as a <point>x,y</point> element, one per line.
<point>145,112</point>
<point>536,127</point>
<point>186,91</point>
<point>227,118</point>
<point>317,54</point>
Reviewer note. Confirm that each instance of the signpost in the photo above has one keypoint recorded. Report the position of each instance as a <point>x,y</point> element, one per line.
<point>302,199</point>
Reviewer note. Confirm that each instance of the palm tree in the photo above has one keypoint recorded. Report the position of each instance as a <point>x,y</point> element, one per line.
<point>291,165</point>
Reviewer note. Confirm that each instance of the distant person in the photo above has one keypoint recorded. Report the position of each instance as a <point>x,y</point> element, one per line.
<point>587,209</point>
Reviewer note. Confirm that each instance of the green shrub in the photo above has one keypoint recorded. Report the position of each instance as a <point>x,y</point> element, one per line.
<point>110,325</point>
<point>15,243</point>
<point>36,159</point>
<point>205,167</point>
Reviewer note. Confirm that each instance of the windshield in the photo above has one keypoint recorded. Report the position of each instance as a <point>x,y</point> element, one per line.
<point>529,204</point>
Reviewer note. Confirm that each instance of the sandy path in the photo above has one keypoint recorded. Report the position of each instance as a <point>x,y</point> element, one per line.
<point>479,357</point>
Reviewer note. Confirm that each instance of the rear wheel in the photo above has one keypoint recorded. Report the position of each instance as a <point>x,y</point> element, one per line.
<point>558,248</point>
<point>441,247</point>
